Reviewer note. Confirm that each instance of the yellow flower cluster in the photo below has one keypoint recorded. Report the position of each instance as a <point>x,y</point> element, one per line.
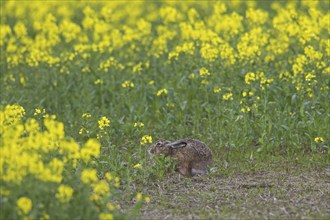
<point>146,139</point>
<point>89,176</point>
<point>28,151</point>
<point>304,69</point>
<point>98,82</point>
<point>216,89</point>
<point>204,72</point>
<point>89,150</point>
<point>39,111</point>
<point>11,115</point>
<point>127,84</point>
<point>138,124</point>
<point>249,101</point>
<point>259,77</point>
<point>100,187</point>
<point>86,115</point>
<point>162,92</point>
<point>106,216</point>
<point>318,139</point>
<point>227,96</point>
<point>137,166</point>
<point>139,197</point>
<point>213,33</point>
<point>103,122</point>
<point>24,145</point>
<point>24,204</point>
<point>64,193</point>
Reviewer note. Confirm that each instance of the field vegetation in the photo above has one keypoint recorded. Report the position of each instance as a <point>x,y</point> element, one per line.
<point>86,87</point>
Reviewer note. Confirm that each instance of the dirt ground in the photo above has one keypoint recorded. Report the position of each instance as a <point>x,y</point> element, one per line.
<point>296,193</point>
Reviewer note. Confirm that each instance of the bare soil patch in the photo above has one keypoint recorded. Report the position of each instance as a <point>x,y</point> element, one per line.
<point>291,194</point>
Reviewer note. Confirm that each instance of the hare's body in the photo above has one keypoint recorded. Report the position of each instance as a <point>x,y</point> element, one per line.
<point>194,156</point>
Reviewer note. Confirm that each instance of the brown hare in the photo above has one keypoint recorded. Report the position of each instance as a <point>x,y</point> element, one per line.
<point>193,156</point>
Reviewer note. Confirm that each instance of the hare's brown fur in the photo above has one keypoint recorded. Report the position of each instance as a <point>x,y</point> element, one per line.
<point>194,156</point>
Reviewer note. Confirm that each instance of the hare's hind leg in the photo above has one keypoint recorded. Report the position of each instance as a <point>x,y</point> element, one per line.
<point>199,168</point>
<point>185,169</point>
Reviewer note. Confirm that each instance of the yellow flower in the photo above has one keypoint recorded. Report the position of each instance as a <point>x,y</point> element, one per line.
<point>117,182</point>
<point>170,105</point>
<point>256,16</point>
<point>111,207</point>
<point>55,167</point>
<point>20,29</point>
<point>103,122</point>
<point>209,53</point>
<point>81,131</point>
<point>204,72</point>
<point>64,193</point>
<point>250,77</point>
<point>204,82</point>
<point>4,192</point>
<point>98,81</point>
<point>318,140</point>
<point>89,176</point>
<point>38,111</point>
<point>247,109</point>
<point>24,204</point>
<point>105,216</point>
<point>312,53</point>
<point>228,96</point>
<point>101,187</point>
<point>146,139</point>
<point>216,89</point>
<point>32,126</point>
<point>127,84</point>
<point>192,76</point>
<point>138,124</point>
<point>90,149</point>
<point>12,114</point>
<point>44,216</point>
<point>99,136</point>
<point>86,115</point>
<point>95,197</point>
<point>147,199</point>
<point>162,91</point>
<point>55,128</point>
<point>173,54</point>
<point>137,166</point>
<point>108,176</point>
<point>138,197</point>
<point>310,76</point>
<point>137,68</point>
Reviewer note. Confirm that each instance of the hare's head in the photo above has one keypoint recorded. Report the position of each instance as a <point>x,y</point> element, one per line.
<point>159,147</point>
<point>165,147</point>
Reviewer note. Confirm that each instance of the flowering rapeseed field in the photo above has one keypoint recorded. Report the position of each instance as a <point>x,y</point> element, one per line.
<point>86,87</point>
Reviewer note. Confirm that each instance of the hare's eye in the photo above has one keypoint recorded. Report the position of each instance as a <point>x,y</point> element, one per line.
<point>158,144</point>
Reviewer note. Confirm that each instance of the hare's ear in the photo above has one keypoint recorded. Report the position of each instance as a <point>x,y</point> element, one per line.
<point>176,144</point>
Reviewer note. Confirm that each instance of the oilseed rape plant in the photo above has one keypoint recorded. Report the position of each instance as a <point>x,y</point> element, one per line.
<point>36,161</point>
<point>87,86</point>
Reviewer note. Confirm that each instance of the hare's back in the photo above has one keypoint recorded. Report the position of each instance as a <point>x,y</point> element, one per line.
<point>199,148</point>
